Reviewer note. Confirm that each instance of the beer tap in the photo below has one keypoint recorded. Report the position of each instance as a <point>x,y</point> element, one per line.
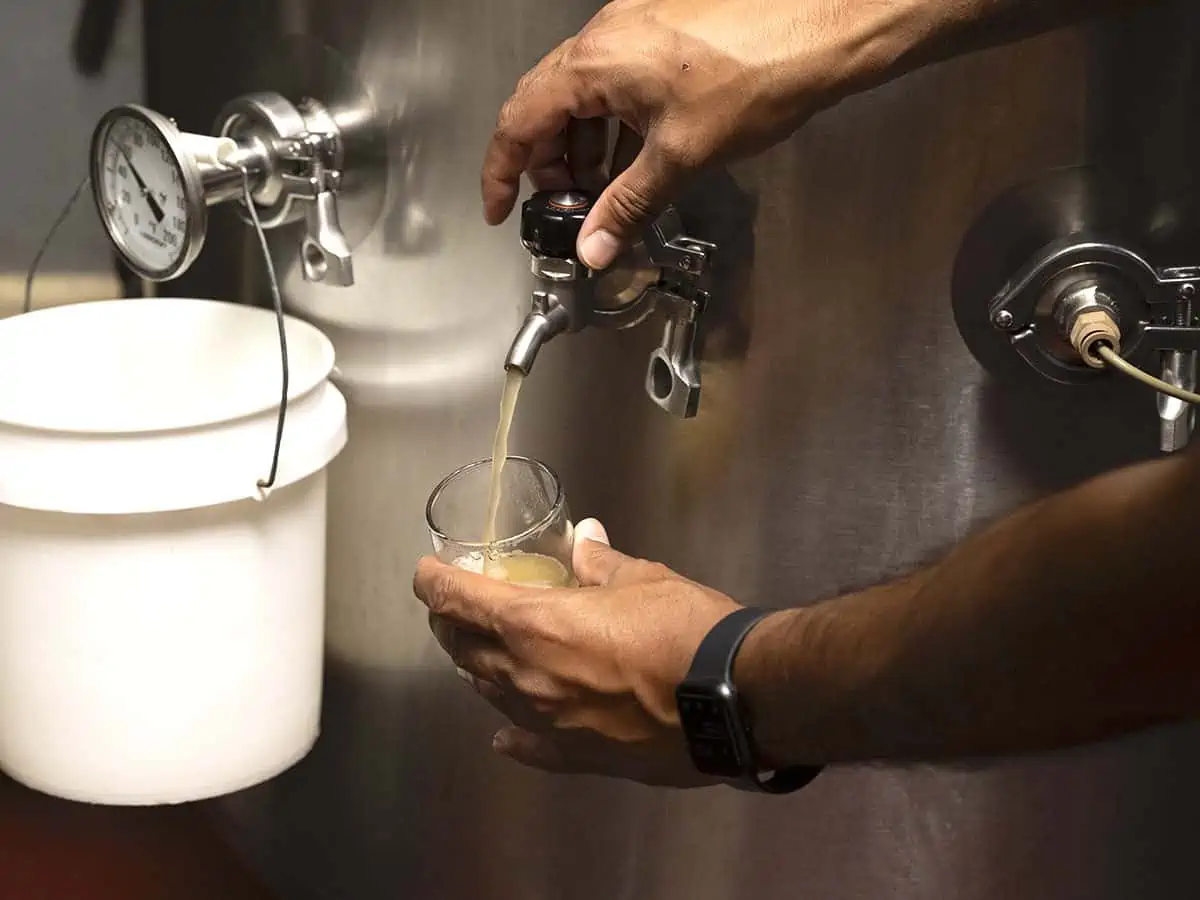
<point>666,270</point>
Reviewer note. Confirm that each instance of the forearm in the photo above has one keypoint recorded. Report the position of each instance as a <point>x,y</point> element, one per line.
<point>1074,619</point>
<point>883,40</point>
<point>956,26</point>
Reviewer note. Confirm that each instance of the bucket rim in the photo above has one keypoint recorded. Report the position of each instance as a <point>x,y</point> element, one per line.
<point>318,366</point>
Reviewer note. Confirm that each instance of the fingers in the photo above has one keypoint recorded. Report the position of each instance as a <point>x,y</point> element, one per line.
<point>509,704</point>
<point>483,664</point>
<point>523,124</point>
<point>587,151</point>
<point>625,149</point>
<point>574,159</point>
<point>633,199</point>
<point>544,103</point>
<point>534,750</point>
<point>554,103</point>
<point>477,654</point>
<point>463,597</point>
<point>587,753</point>
<point>547,165</point>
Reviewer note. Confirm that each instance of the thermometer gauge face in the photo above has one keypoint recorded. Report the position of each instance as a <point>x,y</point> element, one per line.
<point>148,192</point>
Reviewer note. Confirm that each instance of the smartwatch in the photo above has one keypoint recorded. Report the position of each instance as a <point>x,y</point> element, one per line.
<point>716,725</point>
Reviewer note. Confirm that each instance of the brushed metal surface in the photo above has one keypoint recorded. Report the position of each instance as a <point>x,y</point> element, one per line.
<point>845,434</point>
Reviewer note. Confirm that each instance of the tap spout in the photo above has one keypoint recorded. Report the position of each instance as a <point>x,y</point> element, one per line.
<point>543,323</point>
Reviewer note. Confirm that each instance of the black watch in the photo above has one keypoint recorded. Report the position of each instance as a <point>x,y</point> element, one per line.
<point>716,726</point>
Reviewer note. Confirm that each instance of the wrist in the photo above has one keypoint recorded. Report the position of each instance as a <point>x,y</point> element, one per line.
<point>819,682</point>
<point>716,724</point>
<point>764,675</point>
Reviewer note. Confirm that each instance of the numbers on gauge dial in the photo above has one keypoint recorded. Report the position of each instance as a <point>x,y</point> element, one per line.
<point>144,195</point>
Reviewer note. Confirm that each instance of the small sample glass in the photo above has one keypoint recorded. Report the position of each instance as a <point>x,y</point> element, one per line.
<point>533,529</point>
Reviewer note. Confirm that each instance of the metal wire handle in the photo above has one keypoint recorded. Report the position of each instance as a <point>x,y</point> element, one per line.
<point>27,306</point>
<point>264,485</point>
<point>277,300</point>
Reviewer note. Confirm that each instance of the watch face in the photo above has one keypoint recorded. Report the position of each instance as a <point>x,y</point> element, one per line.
<point>710,726</point>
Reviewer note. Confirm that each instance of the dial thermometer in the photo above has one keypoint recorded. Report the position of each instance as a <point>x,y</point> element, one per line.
<point>153,184</point>
<point>148,184</point>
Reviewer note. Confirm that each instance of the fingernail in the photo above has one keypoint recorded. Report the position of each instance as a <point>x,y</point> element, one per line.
<point>599,249</point>
<point>463,674</point>
<point>501,741</point>
<point>592,530</point>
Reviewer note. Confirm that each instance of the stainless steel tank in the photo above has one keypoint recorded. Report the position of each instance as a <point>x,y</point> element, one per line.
<point>845,434</point>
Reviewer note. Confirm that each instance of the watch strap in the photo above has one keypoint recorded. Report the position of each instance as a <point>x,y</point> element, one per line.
<point>717,653</point>
<point>713,664</point>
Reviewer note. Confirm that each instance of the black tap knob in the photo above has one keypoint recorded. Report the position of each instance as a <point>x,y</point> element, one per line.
<point>551,220</point>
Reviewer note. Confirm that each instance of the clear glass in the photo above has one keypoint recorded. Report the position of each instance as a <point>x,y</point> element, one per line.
<point>533,524</point>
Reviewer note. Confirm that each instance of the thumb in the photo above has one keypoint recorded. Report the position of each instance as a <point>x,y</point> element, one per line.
<point>592,530</point>
<point>630,202</point>
<point>593,559</point>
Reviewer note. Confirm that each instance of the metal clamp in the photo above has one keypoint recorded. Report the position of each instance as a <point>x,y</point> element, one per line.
<point>671,247</point>
<point>324,253</point>
<point>1146,301</point>
<point>298,158</point>
<point>673,375</point>
<point>678,266</point>
<point>1152,306</point>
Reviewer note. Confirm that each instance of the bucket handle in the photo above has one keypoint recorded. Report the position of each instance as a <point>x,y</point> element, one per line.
<point>263,486</point>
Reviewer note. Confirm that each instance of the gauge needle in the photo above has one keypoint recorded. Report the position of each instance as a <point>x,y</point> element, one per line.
<point>150,201</point>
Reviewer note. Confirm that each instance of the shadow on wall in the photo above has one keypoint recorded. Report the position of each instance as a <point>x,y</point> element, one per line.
<point>57,106</point>
<point>1057,436</point>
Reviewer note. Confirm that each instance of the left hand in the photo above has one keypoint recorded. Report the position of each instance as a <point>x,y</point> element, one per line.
<point>587,675</point>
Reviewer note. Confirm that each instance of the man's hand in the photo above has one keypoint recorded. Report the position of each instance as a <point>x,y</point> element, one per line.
<point>587,675</point>
<point>702,81</point>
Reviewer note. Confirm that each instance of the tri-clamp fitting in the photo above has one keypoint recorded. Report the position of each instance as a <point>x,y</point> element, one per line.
<point>666,270</point>
<point>1084,291</point>
<point>1076,277</point>
<point>295,155</point>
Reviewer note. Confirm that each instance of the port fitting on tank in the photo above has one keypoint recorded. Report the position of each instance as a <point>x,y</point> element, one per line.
<point>1088,319</point>
<point>299,174</point>
<point>666,270</point>
<point>1083,305</point>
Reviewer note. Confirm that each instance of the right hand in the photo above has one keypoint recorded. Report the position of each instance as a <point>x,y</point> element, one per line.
<point>700,81</point>
<point>586,675</point>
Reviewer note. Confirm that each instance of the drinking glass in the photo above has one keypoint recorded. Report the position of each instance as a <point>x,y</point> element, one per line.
<point>533,524</point>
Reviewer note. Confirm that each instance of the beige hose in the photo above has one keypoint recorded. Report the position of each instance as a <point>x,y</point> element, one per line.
<point>1111,358</point>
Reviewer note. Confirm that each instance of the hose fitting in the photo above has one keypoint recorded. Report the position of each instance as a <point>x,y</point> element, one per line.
<point>1087,317</point>
<point>1089,329</point>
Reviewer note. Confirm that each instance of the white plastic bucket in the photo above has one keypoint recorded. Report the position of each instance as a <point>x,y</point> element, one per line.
<point>161,624</point>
